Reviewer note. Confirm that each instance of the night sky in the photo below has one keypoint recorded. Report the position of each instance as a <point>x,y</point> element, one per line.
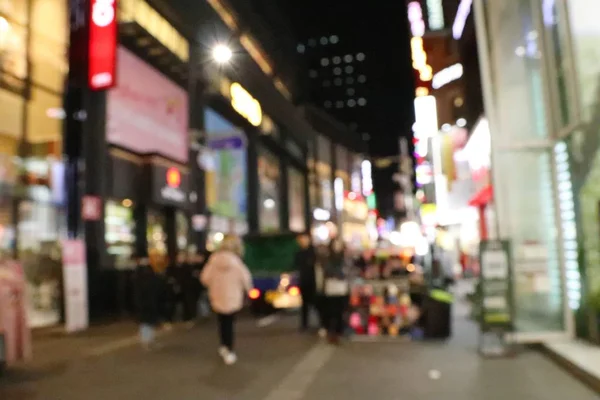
<point>380,29</point>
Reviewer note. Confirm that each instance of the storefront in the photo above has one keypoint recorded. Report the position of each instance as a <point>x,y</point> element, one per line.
<point>260,172</point>
<point>355,233</point>
<point>148,196</point>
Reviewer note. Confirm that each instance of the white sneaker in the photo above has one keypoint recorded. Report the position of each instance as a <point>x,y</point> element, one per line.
<point>230,358</point>
<point>223,351</point>
<point>323,333</point>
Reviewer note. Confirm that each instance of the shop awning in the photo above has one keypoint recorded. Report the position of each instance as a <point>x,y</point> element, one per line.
<point>482,197</point>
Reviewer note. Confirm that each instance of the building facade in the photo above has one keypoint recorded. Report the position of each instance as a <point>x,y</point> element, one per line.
<point>533,91</point>
<point>209,150</point>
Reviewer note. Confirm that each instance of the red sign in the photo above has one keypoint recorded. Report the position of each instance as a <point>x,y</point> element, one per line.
<point>102,45</point>
<point>173,178</point>
<point>91,208</point>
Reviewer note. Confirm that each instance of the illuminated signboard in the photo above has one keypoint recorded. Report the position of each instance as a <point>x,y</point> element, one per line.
<point>464,9</point>
<point>447,75</point>
<point>419,58</point>
<point>102,45</point>
<point>415,17</point>
<point>426,121</point>
<point>246,105</point>
<point>435,15</point>
<point>172,190</point>
<point>367,181</point>
<point>418,54</point>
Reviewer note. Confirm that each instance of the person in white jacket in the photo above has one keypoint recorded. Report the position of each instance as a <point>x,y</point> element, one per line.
<point>228,280</point>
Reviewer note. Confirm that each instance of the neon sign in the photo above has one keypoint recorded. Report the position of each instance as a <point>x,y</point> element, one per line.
<point>246,105</point>
<point>418,54</point>
<point>464,9</point>
<point>435,14</point>
<point>447,75</point>
<point>102,53</point>
<point>415,16</point>
<point>419,58</point>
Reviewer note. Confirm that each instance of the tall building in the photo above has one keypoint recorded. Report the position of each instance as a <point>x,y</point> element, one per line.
<point>336,77</point>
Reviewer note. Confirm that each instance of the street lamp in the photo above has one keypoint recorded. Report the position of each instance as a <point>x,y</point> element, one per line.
<point>222,54</point>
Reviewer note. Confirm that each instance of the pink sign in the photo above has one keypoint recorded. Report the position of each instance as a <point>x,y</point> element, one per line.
<point>146,112</point>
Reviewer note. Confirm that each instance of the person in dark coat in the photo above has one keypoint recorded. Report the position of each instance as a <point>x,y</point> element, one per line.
<point>304,263</point>
<point>180,288</point>
<point>147,294</point>
<point>336,291</point>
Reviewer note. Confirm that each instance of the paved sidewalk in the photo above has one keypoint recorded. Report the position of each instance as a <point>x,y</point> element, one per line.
<point>277,363</point>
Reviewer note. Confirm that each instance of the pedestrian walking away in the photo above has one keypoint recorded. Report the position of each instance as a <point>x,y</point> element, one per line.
<point>228,281</point>
<point>304,263</point>
<point>147,293</point>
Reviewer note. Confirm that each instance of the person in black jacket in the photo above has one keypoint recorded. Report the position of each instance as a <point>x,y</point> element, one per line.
<point>304,263</point>
<point>147,294</point>
<point>336,290</point>
<point>180,282</point>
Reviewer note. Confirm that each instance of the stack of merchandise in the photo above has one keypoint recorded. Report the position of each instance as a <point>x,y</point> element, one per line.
<point>381,308</point>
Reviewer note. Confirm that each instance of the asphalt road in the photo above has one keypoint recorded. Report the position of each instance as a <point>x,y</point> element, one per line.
<point>278,363</point>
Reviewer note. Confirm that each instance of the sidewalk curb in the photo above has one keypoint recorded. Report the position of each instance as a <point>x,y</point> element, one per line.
<point>590,380</point>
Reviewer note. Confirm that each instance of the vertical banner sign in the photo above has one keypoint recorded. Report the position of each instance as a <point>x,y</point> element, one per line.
<point>496,285</point>
<point>93,43</point>
<point>75,285</point>
<point>102,47</point>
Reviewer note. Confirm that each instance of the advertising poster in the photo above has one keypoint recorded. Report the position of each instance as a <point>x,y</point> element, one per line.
<point>496,284</point>
<point>75,285</point>
<point>226,184</point>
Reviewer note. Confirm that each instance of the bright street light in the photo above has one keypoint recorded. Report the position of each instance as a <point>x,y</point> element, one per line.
<point>222,54</point>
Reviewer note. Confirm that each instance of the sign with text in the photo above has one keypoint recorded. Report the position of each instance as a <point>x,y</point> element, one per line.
<point>75,285</point>
<point>170,186</point>
<point>102,51</point>
<point>496,284</point>
<point>146,112</point>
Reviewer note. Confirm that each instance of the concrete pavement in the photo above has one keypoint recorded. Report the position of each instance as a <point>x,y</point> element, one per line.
<point>278,363</point>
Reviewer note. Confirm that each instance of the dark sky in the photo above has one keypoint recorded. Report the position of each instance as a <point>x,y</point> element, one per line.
<point>380,28</point>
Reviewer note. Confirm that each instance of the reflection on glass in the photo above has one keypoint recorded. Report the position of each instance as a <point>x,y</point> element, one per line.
<point>297,221</point>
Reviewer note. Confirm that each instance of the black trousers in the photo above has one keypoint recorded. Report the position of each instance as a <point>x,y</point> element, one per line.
<point>226,334</point>
<point>310,300</point>
<point>334,308</point>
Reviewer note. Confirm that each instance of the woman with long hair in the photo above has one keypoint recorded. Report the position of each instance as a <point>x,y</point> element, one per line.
<point>228,280</point>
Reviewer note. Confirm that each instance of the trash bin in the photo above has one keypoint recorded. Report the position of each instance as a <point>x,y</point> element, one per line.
<point>437,314</point>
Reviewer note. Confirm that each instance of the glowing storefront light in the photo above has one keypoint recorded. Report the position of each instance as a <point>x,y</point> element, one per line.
<point>447,75</point>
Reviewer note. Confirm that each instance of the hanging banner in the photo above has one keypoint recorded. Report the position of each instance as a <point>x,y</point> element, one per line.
<point>75,285</point>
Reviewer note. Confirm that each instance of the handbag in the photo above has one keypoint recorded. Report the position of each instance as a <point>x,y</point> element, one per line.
<point>336,287</point>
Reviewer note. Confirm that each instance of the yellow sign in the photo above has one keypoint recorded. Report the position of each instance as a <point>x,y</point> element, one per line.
<point>419,58</point>
<point>246,105</point>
